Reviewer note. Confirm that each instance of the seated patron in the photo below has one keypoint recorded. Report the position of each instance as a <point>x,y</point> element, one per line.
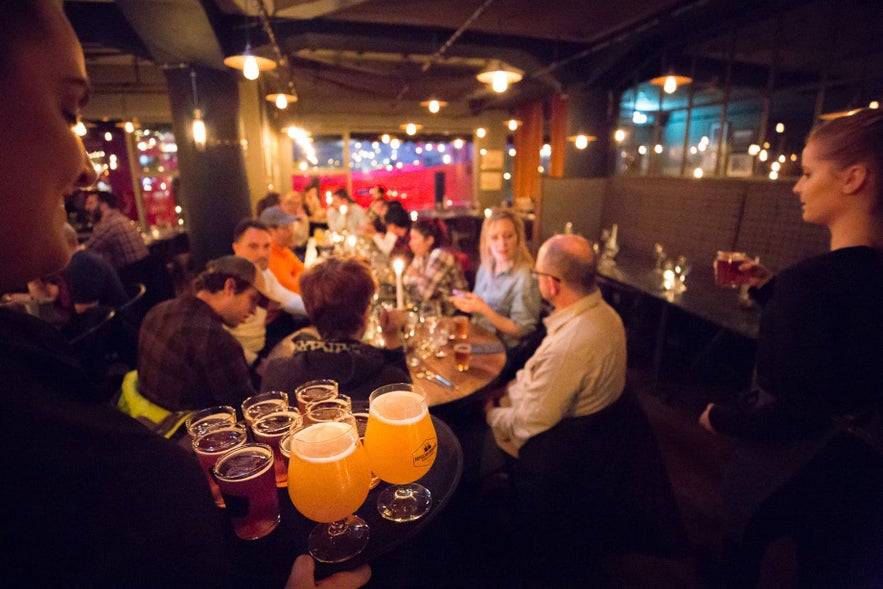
<point>186,360</point>
<point>506,298</point>
<point>91,280</point>
<point>337,294</point>
<point>397,223</point>
<point>271,199</point>
<point>283,313</point>
<point>293,205</point>
<point>579,368</point>
<point>344,215</point>
<point>115,235</point>
<point>284,264</point>
<point>313,205</point>
<point>434,273</point>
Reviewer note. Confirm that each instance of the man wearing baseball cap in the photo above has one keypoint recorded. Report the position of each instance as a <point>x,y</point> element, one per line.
<point>284,264</point>
<point>186,359</point>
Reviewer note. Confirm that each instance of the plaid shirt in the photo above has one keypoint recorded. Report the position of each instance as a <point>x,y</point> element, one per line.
<point>186,360</point>
<point>117,240</point>
<point>435,275</point>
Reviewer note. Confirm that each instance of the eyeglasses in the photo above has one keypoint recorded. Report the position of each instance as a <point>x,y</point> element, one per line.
<point>537,273</point>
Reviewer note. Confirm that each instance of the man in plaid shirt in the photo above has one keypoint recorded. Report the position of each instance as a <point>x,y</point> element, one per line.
<point>186,359</point>
<point>114,237</point>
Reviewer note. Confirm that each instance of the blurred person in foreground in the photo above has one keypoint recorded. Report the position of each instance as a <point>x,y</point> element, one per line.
<point>337,294</point>
<point>506,297</point>
<point>95,499</point>
<point>808,463</point>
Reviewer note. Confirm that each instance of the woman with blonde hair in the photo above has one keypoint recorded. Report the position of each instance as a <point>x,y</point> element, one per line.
<point>808,462</point>
<point>506,298</point>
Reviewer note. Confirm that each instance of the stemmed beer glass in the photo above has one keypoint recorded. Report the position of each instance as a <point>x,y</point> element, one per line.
<point>329,478</point>
<point>401,444</point>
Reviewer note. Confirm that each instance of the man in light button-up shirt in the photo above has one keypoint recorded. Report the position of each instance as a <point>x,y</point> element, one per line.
<point>580,366</point>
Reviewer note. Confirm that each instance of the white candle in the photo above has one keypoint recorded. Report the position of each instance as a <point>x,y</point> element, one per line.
<point>399,265</point>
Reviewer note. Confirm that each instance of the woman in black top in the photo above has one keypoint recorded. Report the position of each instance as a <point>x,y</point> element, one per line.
<point>808,463</point>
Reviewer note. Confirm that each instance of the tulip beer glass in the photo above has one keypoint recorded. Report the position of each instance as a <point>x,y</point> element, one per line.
<point>401,444</point>
<point>329,480</point>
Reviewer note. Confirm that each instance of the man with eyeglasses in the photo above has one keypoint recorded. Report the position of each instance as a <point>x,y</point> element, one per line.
<point>579,368</point>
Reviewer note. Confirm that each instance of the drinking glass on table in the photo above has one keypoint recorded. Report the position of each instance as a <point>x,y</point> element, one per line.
<point>327,410</point>
<point>329,480</point>
<point>401,444</point>
<point>269,429</point>
<point>204,420</point>
<point>727,273</point>
<point>263,403</point>
<point>213,444</point>
<point>315,390</point>
<point>245,477</point>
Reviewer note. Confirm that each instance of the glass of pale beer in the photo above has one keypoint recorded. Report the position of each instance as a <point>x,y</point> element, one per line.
<point>328,481</point>
<point>401,444</point>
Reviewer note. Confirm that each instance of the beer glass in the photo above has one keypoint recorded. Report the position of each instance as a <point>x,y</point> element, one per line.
<point>401,444</point>
<point>329,480</point>
<point>461,326</point>
<point>462,355</point>
<point>263,403</point>
<point>314,390</point>
<point>245,477</point>
<point>270,429</point>
<point>201,422</point>
<point>210,446</point>
<point>726,269</point>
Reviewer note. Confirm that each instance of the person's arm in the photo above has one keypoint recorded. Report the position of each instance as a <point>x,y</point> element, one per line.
<point>798,358</point>
<point>290,301</point>
<point>226,372</point>
<point>385,242</point>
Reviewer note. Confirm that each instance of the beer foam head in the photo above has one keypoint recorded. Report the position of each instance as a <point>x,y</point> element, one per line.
<point>399,407</point>
<point>326,441</point>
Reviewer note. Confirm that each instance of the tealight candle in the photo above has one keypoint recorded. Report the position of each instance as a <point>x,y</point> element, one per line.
<point>399,265</point>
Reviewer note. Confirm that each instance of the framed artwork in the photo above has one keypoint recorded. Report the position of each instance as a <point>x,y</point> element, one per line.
<point>739,165</point>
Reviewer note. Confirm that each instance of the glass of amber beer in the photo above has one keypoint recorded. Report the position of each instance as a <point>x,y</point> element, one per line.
<point>401,444</point>
<point>245,476</point>
<point>328,480</point>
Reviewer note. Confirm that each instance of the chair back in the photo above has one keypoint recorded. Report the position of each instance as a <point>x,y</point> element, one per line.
<point>155,418</point>
<point>134,309</point>
<point>599,484</point>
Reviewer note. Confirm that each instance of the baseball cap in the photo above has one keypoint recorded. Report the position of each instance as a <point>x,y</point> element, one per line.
<point>274,217</point>
<point>241,269</point>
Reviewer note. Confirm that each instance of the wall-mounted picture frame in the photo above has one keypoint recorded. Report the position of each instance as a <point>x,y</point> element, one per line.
<point>739,165</point>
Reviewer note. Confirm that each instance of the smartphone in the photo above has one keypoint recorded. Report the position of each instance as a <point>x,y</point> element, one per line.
<point>458,293</point>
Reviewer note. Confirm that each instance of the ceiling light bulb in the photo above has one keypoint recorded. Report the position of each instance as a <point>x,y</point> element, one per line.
<point>480,132</point>
<point>670,85</point>
<point>512,124</point>
<point>129,127</point>
<point>80,129</point>
<point>499,83</point>
<point>581,141</point>
<point>619,136</point>
<point>874,105</point>
<point>250,68</point>
<point>411,129</point>
<point>281,101</point>
<point>199,135</point>
<point>433,106</point>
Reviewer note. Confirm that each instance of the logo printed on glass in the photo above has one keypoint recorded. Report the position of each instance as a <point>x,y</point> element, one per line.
<point>425,454</point>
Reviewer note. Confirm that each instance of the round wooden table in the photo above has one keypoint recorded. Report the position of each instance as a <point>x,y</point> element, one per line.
<point>484,367</point>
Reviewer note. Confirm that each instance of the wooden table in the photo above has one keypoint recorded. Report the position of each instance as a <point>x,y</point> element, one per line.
<point>483,368</point>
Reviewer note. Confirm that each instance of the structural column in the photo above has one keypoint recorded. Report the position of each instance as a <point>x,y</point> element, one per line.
<point>213,182</point>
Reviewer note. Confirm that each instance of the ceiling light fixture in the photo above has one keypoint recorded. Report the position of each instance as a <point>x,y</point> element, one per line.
<point>248,63</point>
<point>499,76</point>
<point>281,99</point>
<point>671,82</point>
<point>581,140</point>
<point>411,128</point>
<point>512,124</point>
<point>433,105</point>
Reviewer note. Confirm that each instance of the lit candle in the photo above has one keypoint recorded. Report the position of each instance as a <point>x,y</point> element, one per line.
<point>399,265</point>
